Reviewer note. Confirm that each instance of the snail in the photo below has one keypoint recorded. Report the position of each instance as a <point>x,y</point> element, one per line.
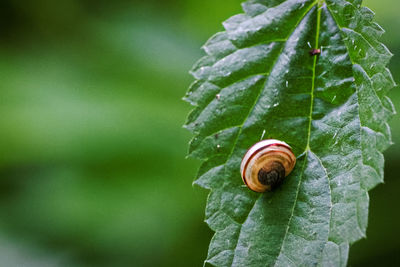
<point>266,164</point>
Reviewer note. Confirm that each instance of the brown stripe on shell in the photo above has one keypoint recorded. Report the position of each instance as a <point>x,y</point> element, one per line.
<point>244,178</point>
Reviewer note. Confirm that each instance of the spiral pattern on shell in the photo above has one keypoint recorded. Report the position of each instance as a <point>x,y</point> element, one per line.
<point>266,164</point>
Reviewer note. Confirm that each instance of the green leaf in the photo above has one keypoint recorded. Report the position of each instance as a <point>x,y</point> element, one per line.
<point>258,76</point>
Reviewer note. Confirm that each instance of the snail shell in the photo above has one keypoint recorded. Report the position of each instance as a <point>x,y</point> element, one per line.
<point>266,164</point>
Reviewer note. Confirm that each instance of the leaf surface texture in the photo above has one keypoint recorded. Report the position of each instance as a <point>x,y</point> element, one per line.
<point>258,78</point>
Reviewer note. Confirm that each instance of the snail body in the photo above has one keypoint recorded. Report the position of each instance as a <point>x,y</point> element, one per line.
<point>266,164</point>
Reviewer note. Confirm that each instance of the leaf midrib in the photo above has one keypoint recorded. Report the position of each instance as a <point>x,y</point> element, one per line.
<point>265,82</point>
<point>313,76</point>
<point>307,150</point>
<point>317,3</point>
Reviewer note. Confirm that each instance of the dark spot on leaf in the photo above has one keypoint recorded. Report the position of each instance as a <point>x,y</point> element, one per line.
<point>314,52</point>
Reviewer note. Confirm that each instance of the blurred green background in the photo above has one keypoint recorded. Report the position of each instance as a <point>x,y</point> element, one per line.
<point>92,163</point>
